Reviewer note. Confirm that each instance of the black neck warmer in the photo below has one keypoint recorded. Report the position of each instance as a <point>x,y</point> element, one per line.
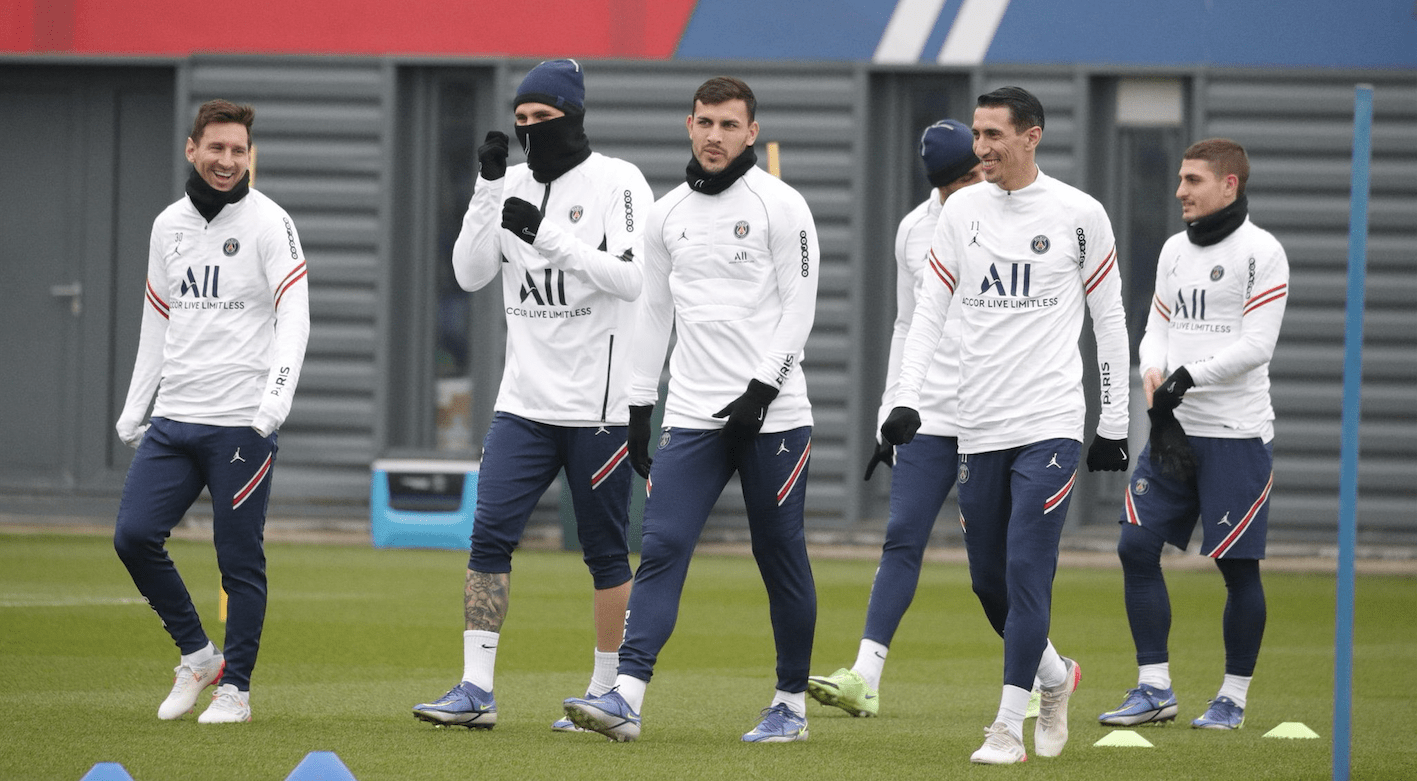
<point>209,200</point>
<point>713,184</point>
<point>1214,227</point>
<point>555,146</point>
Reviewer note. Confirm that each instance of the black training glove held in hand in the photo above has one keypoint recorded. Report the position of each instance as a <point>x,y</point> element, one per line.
<point>1170,449</point>
<point>492,155</point>
<point>1107,455</point>
<point>885,454</point>
<point>1168,396</point>
<point>637,439</point>
<point>747,412</point>
<point>900,426</point>
<point>521,218</point>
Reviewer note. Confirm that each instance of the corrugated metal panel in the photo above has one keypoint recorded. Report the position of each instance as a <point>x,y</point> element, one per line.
<point>1298,129</point>
<point>322,154</point>
<point>636,111</point>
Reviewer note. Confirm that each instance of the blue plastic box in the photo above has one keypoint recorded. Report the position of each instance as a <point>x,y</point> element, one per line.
<point>422,503</point>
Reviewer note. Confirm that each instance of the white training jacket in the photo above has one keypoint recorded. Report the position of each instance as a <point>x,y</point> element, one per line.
<point>568,298</point>
<point>735,276</point>
<point>225,320</point>
<point>1024,264</point>
<point>939,396</point>
<point>1217,312</point>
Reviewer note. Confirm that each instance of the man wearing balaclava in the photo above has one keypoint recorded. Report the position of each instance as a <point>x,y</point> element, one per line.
<point>564,233</point>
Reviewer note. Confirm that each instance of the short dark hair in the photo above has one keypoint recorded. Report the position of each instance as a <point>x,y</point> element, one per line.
<point>721,89</point>
<point>1226,157</point>
<point>1024,108</point>
<point>215,111</point>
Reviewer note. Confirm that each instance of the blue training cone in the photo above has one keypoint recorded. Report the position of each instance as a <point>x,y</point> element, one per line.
<point>320,766</point>
<point>107,771</point>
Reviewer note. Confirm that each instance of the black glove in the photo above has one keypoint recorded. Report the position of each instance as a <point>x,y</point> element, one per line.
<point>885,454</point>
<point>1107,455</point>
<point>1170,449</point>
<point>746,413</point>
<point>492,155</point>
<point>1168,396</point>
<point>637,439</point>
<point>521,218</point>
<point>900,426</point>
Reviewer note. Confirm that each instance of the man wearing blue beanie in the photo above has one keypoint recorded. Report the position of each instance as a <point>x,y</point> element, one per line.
<point>923,471</point>
<point>563,231</point>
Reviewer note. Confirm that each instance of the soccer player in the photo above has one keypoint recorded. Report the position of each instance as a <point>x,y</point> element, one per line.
<point>1026,253</point>
<point>225,322</point>
<point>731,264</point>
<point>1221,288</point>
<point>922,472</point>
<point>563,231</point>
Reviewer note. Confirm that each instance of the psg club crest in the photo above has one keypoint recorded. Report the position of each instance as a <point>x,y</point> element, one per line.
<point>577,212</point>
<point>741,229</point>
<point>1039,244</point>
<point>963,474</point>
<point>1216,273</point>
<point>664,438</point>
<point>1140,487</point>
<point>231,247</point>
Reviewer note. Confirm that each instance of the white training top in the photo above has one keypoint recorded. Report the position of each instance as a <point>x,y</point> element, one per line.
<point>1025,263</point>
<point>939,394</point>
<point>735,276</point>
<point>1217,311</point>
<point>568,298</point>
<point>226,319</point>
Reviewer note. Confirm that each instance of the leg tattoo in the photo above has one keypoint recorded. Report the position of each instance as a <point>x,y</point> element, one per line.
<point>485,600</point>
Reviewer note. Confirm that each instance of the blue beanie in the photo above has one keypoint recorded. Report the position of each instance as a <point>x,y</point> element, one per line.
<point>947,149</point>
<point>556,83</point>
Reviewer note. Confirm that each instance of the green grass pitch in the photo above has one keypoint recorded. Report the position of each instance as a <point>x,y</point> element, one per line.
<point>355,636</point>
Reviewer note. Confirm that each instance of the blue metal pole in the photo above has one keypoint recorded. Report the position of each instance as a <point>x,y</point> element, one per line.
<point>1348,456</point>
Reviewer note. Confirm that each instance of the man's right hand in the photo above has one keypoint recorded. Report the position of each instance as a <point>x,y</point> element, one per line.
<point>637,439</point>
<point>900,426</point>
<point>492,155</point>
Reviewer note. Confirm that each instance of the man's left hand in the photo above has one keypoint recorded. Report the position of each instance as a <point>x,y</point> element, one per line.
<point>746,413</point>
<point>521,218</point>
<point>1107,455</point>
<point>1168,396</point>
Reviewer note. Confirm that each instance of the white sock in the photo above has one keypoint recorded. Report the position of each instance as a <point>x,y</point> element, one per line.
<point>797,701</point>
<point>870,661</point>
<point>479,657</point>
<point>1052,671</point>
<point>603,677</point>
<point>633,690</point>
<point>1155,675</point>
<point>1235,687</point>
<point>1012,705</point>
<point>201,656</point>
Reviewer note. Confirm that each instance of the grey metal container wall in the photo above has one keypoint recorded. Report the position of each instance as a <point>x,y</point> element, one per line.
<point>322,138</point>
<point>1299,133</point>
<point>326,136</point>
